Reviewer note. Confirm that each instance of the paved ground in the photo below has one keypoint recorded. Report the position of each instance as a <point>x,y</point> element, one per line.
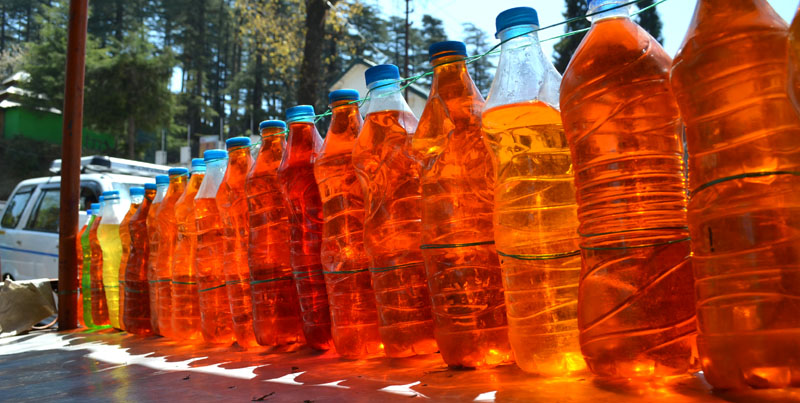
<point>112,366</point>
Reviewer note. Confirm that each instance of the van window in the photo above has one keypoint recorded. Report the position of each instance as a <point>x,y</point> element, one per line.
<point>15,207</point>
<point>45,214</point>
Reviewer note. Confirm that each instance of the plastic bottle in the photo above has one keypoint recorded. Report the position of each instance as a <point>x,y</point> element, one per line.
<point>98,293</point>
<point>136,312</point>
<point>354,318</point>
<point>216,321</point>
<point>535,214</point>
<point>167,228</point>
<point>457,179</point>
<point>137,195</point>
<point>389,178</point>
<point>296,176</point>
<point>79,248</point>
<point>86,268</point>
<point>232,205</point>
<point>636,298</point>
<point>111,245</point>
<point>276,310</point>
<point>743,139</point>
<point>185,301</point>
<point>162,184</point>
<point>794,61</point>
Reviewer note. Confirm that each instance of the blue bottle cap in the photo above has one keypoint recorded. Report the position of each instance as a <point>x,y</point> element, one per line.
<point>177,171</point>
<point>237,142</point>
<point>198,162</point>
<point>516,16</point>
<point>150,186</point>
<point>272,123</point>
<point>137,191</point>
<point>162,179</point>
<point>101,199</point>
<point>300,112</point>
<point>343,95</point>
<point>110,195</point>
<point>89,212</point>
<point>211,155</point>
<point>96,207</point>
<point>381,72</point>
<point>447,48</point>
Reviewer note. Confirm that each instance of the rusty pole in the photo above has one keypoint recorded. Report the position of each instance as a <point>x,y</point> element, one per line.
<point>70,166</point>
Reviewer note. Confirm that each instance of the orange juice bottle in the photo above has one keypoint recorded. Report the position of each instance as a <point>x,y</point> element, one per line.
<point>636,297</point>
<point>216,322</point>
<point>98,293</point>
<point>162,184</point>
<point>457,180</point>
<point>232,205</point>
<point>354,318</point>
<point>389,178</point>
<point>136,312</point>
<point>137,195</point>
<point>794,61</point>
<point>535,213</point>
<point>167,237</point>
<point>185,300</point>
<point>276,310</point>
<point>296,176</point>
<point>743,140</point>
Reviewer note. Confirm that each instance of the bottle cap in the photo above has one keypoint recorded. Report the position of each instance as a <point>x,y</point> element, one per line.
<point>101,199</point>
<point>300,112</point>
<point>342,95</point>
<point>177,171</point>
<point>210,155</point>
<point>96,207</point>
<point>237,142</point>
<point>516,16</point>
<point>162,179</point>
<point>198,162</point>
<point>447,48</point>
<point>150,186</point>
<point>137,191</point>
<point>272,123</point>
<point>381,72</point>
<point>89,212</point>
<point>110,195</point>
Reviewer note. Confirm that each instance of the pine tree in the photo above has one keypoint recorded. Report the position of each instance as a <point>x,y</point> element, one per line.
<point>481,69</point>
<point>649,20</point>
<point>566,47</point>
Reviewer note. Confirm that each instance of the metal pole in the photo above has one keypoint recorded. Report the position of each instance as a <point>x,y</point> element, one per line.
<point>71,134</point>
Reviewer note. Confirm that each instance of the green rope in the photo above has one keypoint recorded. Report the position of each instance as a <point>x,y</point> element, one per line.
<point>550,256</point>
<point>455,245</point>
<point>395,267</point>
<point>212,288</point>
<point>345,271</point>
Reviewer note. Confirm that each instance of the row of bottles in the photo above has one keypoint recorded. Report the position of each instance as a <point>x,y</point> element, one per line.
<point>490,230</point>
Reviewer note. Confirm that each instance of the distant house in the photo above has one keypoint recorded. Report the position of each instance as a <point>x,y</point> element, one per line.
<point>17,120</point>
<point>353,78</point>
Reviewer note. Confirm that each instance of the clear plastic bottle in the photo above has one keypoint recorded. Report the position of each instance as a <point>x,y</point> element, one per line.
<point>167,238</point>
<point>743,139</point>
<point>162,184</point>
<point>136,312</point>
<point>296,175</point>
<point>86,269</point>
<point>535,213</point>
<point>276,309</point>
<point>345,263</point>
<point>98,293</point>
<point>457,180</point>
<point>216,321</point>
<point>185,301</point>
<point>389,178</point>
<point>137,195</point>
<point>232,205</point>
<point>636,300</point>
<point>111,245</point>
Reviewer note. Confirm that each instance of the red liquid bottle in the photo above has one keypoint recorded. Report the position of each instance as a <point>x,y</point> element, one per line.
<point>389,178</point>
<point>137,195</point>
<point>99,306</point>
<point>636,309</point>
<point>296,175</point>
<point>216,322</point>
<point>162,183</point>
<point>185,300</point>
<point>232,205</point>
<point>457,178</point>
<point>136,312</point>
<point>276,310</point>
<point>167,237</point>
<point>743,140</point>
<point>345,263</point>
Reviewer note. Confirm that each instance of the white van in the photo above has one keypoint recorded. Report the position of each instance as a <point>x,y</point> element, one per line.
<point>29,221</point>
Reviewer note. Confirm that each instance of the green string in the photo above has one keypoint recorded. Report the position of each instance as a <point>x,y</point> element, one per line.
<point>395,267</point>
<point>455,245</point>
<point>345,271</point>
<point>304,275</point>
<point>550,256</point>
<point>184,282</point>
<point>212,288</point>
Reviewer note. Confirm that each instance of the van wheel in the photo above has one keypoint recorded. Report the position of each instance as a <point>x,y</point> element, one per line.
<point>7,276</point>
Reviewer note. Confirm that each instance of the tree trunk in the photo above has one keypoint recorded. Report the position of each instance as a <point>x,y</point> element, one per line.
<point>3,29</point>
<point>131,137</point>
<point>118,21</point>
<point>311,68</point>
<point>258,90</point>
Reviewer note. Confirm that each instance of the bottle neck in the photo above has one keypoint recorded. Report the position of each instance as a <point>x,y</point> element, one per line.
<point>345,119</point>
<point>605,9</point>
<point>450,70</point>
<point>386,95</point>
<point>150,194</point>
<point>238,154</point>
<point>137,199</point>
<point>519,36</point>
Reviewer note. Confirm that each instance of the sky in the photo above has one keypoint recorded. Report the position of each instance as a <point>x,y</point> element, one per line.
<point>675,15</point>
